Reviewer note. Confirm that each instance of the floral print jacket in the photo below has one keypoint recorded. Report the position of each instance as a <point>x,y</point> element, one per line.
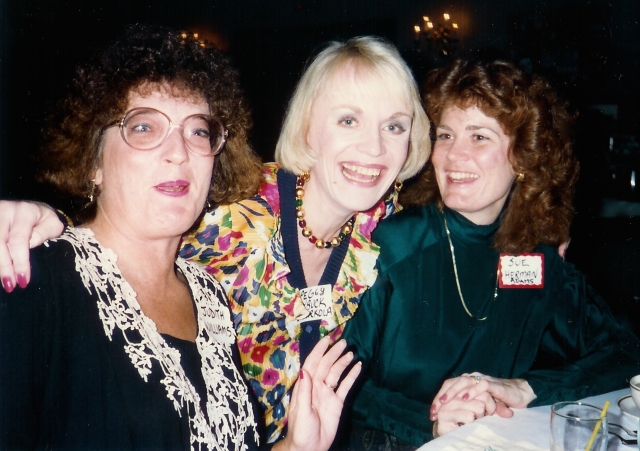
<point>241,245</point>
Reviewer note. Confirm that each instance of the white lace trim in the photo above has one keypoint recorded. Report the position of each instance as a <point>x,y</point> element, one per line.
<point>119,308</point>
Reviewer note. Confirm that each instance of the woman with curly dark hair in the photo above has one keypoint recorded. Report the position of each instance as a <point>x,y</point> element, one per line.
<point>471,286</point>
<point>296,256</point>
<point>116,343</point>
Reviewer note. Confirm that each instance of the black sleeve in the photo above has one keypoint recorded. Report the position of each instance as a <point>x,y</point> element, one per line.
<point>25,332</point>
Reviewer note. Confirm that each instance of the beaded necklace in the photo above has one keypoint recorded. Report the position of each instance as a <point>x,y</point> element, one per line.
<point>455,272</point>
<point>346,229</point>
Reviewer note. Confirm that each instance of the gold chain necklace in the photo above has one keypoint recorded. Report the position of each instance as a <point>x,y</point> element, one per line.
<point>455,272</point>
<point>345,230</point>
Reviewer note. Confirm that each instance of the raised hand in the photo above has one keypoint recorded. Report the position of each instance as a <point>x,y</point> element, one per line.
<point>318,397</point>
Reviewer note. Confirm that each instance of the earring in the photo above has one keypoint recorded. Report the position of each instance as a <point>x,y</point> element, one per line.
<point>520,177</point>
<point>207,206</point>
<point>397,185</point>
<point>92,194</point>
<point>93,191</point>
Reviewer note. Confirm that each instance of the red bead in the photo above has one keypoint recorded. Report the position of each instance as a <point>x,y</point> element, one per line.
<point>300,182</point>
<point>313,239</point>
<point>302,224</point>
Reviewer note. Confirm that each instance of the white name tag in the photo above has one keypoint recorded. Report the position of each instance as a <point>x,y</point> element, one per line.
<point>218,324</point>
<point>521,271</point>
<point>318,303</point>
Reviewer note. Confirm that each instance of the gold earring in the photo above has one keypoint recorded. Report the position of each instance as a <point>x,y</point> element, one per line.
<point>397,185</point>
<point>520,177</point>
<point>93,191</point>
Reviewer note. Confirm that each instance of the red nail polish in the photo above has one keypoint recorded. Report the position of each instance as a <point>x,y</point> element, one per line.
<point>465,396</point>
<point>301,374</point>
<point>22,280</point>
<point>443,398</point>
<point>7,284</point>
<point>433,408</point>
<point>434,417</point>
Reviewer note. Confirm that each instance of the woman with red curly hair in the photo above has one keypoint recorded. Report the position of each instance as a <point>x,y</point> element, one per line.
<point>473,307</point>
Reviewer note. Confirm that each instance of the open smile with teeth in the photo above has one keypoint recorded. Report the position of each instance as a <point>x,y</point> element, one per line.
<point>173,188</point>
<point>461,176</point>
<point>360,173</point>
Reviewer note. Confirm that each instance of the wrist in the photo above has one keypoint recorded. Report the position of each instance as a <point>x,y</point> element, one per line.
<point>527,392</point>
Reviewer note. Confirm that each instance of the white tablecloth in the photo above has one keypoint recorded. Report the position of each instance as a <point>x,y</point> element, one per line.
<point>532,425</point>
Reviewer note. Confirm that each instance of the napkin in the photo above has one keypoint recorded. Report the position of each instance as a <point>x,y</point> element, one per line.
<point>484,439</point>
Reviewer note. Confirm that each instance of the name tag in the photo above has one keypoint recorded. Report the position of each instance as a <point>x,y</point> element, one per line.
<point>318,303</point>
<point>521,271</point>
<point>218,325</point>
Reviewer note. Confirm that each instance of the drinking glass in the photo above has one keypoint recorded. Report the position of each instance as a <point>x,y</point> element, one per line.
<point>573,425</point>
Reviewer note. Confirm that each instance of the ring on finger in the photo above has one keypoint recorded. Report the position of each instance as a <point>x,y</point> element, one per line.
<point>477,379</point>
<point>332,387</point>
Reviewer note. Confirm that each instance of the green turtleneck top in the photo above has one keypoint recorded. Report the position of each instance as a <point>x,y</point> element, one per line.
<point>412,332</point>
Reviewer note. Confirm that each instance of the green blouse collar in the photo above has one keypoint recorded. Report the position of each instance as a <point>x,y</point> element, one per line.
<point>463,229</point>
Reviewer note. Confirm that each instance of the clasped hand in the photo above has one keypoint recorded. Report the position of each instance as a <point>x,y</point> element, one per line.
<point>462,400</point>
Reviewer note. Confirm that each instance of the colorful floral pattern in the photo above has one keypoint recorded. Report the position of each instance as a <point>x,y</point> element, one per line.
<point>240,245</point>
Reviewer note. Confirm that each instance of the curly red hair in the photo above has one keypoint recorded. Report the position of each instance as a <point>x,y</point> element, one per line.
<point>539,208</point>
<point>148,58</point>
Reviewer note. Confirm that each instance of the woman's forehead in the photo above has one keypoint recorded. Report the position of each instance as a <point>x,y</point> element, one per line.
<point>471,104</point>
<point>165,91</point>
<point>369,80</point>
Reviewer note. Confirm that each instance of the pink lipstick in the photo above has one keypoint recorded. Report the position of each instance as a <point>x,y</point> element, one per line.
<point>174,188</point>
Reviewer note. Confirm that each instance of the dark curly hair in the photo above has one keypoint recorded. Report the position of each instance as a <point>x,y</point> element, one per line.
<point>539,208</point>
<point>145,57</point>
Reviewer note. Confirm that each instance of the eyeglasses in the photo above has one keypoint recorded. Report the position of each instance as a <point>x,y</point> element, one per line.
<point>147,129</point>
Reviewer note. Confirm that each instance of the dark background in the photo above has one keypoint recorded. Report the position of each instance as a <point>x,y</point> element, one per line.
<point>589,49</point>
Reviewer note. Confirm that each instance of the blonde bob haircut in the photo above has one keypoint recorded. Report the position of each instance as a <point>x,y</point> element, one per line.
<point>371,57</point>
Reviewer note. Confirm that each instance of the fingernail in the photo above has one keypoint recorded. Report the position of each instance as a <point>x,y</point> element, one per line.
<point>465,396</point>
<point>433,417</point>
<point>433,408</point>
<point>301,374</point>
<point>7,284</point>
<point>443,398</point>
<point>22,280</point>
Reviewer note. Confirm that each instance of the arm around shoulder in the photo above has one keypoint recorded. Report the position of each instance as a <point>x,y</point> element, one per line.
<point>23,225</point>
